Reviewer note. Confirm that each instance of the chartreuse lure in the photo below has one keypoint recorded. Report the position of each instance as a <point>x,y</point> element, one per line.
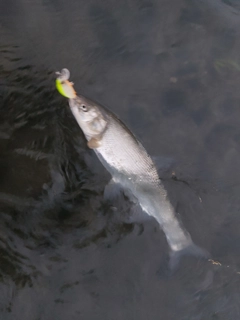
<point>65,87</point>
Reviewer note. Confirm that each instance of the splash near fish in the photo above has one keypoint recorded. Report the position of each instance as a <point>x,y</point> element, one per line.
<point>129,164</point>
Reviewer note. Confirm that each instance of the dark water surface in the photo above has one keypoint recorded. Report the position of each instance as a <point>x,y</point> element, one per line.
<point>171,71</point>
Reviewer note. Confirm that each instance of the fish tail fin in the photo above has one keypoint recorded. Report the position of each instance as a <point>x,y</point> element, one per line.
<point>190,250</point>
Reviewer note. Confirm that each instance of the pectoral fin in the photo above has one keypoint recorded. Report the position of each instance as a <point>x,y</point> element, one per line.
<point>94,143</point>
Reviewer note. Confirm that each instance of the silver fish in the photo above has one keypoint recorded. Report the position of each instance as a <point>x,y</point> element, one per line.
<point>130,165</point>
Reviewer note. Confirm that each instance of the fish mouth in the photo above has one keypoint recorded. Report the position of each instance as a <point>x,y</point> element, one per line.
<point>76,101</point>
<point>73,103</point>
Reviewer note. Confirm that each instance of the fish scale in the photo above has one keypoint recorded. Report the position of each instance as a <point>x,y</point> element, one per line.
<point>130,159</point>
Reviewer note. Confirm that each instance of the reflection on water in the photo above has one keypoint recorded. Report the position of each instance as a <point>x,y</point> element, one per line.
<point>170,71</point>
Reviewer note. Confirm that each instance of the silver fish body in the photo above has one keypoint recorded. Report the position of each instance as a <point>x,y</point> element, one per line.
<point>130,165</point>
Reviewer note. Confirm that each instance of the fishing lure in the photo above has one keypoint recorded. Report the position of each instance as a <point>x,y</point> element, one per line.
<point>65,87</point>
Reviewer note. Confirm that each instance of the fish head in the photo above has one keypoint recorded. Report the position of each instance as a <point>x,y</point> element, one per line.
<point>89,116</point>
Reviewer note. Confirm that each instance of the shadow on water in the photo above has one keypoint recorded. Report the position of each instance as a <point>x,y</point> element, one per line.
<point>172,73</point>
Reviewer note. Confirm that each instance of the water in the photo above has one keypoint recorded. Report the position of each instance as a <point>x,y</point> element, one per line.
<point>171,71</point>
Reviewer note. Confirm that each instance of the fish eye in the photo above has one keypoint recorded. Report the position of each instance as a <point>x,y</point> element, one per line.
<point>83,108</point>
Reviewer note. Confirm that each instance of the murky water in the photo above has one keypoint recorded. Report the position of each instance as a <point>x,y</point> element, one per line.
<point>171,71</point>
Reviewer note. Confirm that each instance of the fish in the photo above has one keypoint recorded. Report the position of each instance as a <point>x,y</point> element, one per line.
<point>129,164</point>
